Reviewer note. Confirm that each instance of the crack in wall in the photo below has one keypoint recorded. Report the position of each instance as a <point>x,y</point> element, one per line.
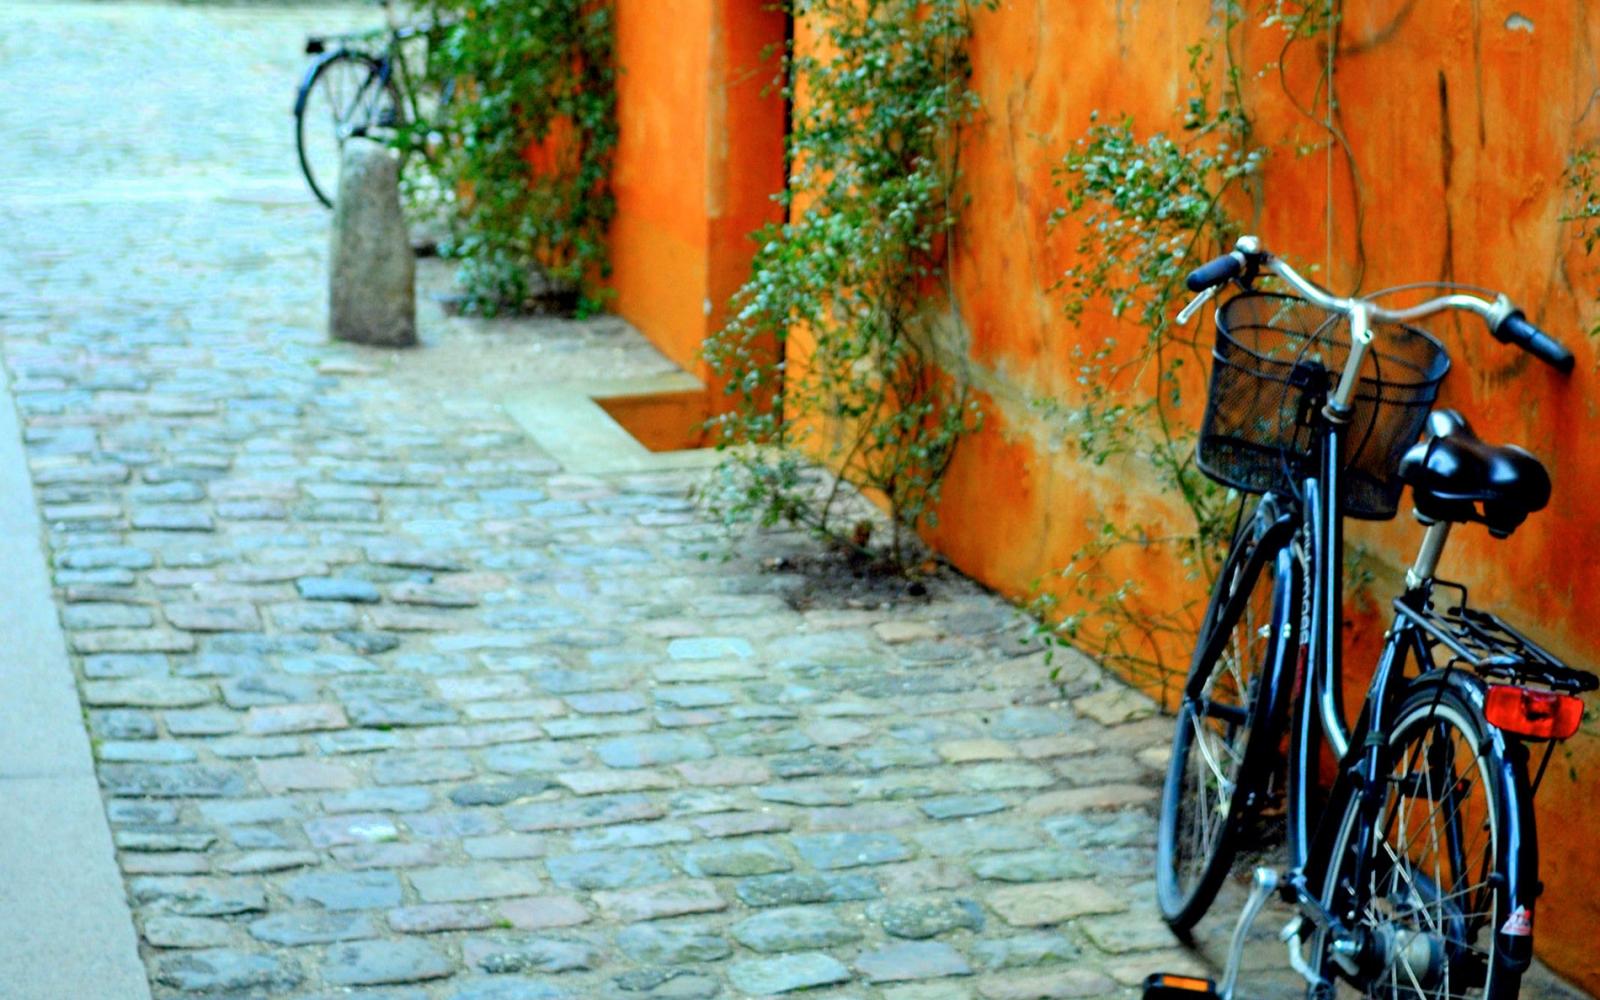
<point>1447,162</point>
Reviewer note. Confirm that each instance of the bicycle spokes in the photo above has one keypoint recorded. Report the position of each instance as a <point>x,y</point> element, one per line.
<point>1219,719</point>
<point>1425,926</point>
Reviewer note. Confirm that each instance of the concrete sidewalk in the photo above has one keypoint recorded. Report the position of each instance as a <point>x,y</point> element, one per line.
<point>64,920</point>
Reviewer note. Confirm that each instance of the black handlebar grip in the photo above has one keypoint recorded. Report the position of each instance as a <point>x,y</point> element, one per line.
<point>1515,329</point>
<point>1215,273</point>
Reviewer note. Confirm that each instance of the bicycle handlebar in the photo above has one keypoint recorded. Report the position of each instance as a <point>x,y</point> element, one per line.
<point>1224,268</point>
<point>1515,329</point>
<point>1506,322</point>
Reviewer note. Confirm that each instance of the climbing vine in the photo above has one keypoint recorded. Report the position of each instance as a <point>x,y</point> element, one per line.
<point>530,138</point>
<point>831,352</point>
<point>1146,211</point>
<point>1583,185</point>
<point>1582,178</point>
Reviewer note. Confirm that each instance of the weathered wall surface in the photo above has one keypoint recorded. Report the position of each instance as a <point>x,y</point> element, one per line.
<point>1460,118</point>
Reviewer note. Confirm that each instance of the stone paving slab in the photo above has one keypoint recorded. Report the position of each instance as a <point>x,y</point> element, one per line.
<point>387,702</point>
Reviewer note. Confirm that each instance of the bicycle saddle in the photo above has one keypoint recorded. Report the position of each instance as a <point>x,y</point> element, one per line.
<point>1456,477</point>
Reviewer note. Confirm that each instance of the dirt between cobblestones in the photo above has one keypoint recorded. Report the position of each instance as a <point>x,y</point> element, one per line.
<point>386,703</point>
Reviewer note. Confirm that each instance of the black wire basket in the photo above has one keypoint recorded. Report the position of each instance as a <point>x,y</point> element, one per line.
<point>1275,356</point>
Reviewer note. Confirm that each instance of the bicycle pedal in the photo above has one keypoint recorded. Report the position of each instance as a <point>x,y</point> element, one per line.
<point>1166,986</point>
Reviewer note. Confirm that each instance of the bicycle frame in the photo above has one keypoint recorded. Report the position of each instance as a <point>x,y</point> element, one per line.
<point>1309,685</point>
<point>1320,712</point>
<point>398,68</point>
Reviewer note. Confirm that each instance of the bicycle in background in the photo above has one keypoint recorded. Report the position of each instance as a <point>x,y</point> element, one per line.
<point>1419,877</point>
<point>367,84</point>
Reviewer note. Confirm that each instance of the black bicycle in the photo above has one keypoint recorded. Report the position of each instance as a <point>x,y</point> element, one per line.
<point>1418,875</point>
<point>366,84</point>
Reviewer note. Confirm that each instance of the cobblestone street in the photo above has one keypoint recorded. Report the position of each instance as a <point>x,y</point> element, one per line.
<point>386,702</point>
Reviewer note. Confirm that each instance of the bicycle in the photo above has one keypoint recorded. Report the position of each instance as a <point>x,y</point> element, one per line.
<point>364,85</point>
<point>1419,875</point>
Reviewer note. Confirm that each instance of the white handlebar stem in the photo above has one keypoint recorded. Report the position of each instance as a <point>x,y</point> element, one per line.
<point>1338,407</point>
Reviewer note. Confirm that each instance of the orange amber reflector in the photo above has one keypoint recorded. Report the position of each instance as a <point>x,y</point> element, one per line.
<point>1162,986</point>
<point>1543,715</point>
<point>1185,983</point>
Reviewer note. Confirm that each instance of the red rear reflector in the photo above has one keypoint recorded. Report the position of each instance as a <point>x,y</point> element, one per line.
<point>1542,715</point>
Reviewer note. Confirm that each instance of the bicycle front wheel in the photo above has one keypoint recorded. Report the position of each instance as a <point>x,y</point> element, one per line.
<point>1424,901</point>
<point>1214,778</point>
<point>346,96</point>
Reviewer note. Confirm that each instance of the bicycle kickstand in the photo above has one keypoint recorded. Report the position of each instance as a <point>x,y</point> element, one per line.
<point>1261,889</point>
<point>1163,986</point>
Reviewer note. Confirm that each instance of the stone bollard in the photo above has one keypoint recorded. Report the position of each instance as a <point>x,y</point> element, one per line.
<point>372,274</point>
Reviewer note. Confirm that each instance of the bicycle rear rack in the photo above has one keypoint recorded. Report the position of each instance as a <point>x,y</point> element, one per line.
<point>1483,641</point>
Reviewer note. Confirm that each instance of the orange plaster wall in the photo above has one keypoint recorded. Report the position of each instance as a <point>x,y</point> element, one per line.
<point>1460,124</point>
<point>744,143</point>
<point>689,196</point>
<point>658,241</point>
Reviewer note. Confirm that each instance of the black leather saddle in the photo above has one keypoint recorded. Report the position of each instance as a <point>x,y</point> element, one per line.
<point>1456,477</point>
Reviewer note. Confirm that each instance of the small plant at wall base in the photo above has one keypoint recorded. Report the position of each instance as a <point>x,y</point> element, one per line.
<point>831,350</point>
<point>532,131</point>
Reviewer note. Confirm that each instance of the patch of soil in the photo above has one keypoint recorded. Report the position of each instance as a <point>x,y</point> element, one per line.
<point>842,577</point>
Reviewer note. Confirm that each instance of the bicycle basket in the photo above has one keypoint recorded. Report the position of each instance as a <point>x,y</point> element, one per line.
<point>1275,351</point>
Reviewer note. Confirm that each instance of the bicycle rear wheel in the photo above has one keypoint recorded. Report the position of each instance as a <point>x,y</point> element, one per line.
<point>347,95</point>
<point>1217,771</point>
<point>1426,910</point>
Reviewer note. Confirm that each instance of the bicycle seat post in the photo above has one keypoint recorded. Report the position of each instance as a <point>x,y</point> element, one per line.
<point>1427,562</point>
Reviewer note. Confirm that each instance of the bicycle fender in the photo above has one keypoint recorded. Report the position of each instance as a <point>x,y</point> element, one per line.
<point>1518,841</point>
<point>303,92</point>
<point>1273,539</point>
<point>1278,681</point>
<point>1284,678</point>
